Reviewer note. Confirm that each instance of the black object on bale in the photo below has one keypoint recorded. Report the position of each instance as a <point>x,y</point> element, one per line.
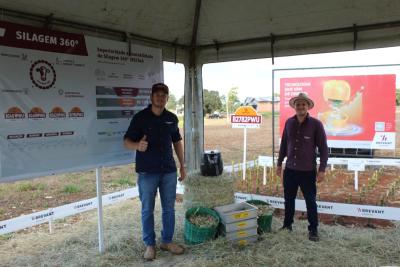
<point>212,164</point>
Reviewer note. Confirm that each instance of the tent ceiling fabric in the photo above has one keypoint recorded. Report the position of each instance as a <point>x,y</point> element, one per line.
<point>225,22</point>
<point>251,19</point>
<point>163,20</point>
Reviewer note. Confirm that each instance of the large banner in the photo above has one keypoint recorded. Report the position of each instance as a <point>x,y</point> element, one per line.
<point>357,111</point>
<point>66,100</point>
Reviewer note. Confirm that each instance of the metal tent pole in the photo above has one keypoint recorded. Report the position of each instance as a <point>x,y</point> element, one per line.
<point>99,189</point>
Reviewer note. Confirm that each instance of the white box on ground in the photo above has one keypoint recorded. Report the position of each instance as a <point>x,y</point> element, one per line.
<point>235,226</point>
<point>236,212</point>
<point>241,234</point>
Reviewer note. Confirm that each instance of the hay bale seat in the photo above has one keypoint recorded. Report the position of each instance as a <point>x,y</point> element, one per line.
<point>208,191</point>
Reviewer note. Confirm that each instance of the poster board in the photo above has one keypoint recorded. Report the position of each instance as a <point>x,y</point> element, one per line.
<point>355,104</point>
<point>66,99</point>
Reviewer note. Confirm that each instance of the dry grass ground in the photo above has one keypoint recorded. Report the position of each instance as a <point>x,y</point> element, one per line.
<point>74,243</point>
<point>219,134</point>
<point>26,197</point>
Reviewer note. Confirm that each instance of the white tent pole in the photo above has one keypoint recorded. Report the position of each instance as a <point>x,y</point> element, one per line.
<point>99,188</point>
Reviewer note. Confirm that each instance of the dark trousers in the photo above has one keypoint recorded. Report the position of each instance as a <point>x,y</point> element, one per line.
<point>292,179</point>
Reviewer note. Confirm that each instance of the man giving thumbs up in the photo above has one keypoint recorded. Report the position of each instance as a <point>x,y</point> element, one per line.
<point>152,133</point>
<point>142,146</point>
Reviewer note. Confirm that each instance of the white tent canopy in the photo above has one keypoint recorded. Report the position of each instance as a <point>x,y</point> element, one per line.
<point>195,32</point>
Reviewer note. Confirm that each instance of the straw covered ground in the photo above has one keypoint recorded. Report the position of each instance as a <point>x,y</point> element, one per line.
<point>75,244</point>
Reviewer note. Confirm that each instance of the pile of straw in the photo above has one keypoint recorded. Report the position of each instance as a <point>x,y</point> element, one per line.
<point>208,191</point>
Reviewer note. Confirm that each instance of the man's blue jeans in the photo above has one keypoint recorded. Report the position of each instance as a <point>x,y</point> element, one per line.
<point>148,184</point>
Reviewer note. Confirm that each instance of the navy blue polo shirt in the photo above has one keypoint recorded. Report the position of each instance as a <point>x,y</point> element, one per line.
<point>161,131</point>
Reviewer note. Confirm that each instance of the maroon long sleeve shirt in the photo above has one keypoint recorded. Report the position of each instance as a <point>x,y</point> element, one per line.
<point>299,143</point>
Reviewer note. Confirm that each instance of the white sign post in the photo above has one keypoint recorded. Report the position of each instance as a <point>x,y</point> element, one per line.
<point>356,165</point>
<point>244,152</point>
<point>245,117</point>
<point>265,161</point>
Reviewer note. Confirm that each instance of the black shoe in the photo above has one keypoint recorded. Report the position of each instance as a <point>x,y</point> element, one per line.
<point>313,235</point>
<point>286,227</point>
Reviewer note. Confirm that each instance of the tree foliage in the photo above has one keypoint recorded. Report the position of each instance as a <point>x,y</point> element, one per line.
<point>212,101</point>
<point>171,104</point>
<point>181,100</point>
<point>233,100</point>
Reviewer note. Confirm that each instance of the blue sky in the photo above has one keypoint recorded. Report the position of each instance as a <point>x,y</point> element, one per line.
<point>253,77</point>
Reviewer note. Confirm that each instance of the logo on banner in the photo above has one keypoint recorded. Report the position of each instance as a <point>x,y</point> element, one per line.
<point>42,74</point>
<point>36,113</point>
<point>76,112</point>
<point>14,113</point>
<point>83,205</point>
<point>325,207</point>
<point>57,113</point>
<point>384,140</point>
<point>4,226</point>
<point>370,211</point>
<point>115,197</point>
<point>42,216</point>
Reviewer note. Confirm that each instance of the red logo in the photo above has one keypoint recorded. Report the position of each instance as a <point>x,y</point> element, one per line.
<point>42,74</point>
<point>383,138</point>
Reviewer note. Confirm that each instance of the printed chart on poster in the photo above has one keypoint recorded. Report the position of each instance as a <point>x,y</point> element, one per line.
<point>67,99</point>
<point>357,105</point>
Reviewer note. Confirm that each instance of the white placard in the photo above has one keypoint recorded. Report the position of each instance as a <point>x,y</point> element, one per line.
<point>356,165</point>
<point>265,161</point>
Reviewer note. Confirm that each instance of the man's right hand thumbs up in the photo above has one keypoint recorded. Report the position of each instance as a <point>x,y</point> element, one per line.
<point>142,147</point>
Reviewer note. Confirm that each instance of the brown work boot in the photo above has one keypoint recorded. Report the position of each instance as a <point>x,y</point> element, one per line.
<point>150,253</point>
<point>173,248</point>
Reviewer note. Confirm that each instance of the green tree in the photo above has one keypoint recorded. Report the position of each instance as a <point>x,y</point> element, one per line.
<point>171,105</point>
<point>223,101</point>
<point>181,100</point>
<point>212,101</point>
<point>233,100</point>
<point>398,97</point>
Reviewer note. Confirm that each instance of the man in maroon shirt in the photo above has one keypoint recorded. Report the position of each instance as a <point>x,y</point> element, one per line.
<point>301,136</point>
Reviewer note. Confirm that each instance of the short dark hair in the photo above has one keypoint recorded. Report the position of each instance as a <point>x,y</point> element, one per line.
<point>159,87</point>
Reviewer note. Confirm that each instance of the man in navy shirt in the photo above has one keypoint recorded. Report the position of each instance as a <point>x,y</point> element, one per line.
<point>301,136</point>
<point>152,133</point>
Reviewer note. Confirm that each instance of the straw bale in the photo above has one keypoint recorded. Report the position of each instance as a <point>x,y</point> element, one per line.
<point>208,191</point>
